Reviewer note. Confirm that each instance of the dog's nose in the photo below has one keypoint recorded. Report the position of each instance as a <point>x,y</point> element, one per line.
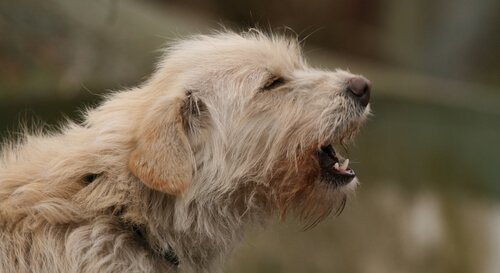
<point>359,87</point>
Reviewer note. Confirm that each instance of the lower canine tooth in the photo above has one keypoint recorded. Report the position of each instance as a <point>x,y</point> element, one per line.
<point>344,165</point>
<point>336,166</point>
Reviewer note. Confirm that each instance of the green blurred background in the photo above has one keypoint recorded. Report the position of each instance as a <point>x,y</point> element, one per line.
<point>427,159</point>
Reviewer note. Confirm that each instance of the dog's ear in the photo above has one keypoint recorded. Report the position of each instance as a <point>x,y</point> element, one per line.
<point>162,157</point>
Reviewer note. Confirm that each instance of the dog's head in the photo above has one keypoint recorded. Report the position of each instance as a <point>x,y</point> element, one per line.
<point>232,111</point>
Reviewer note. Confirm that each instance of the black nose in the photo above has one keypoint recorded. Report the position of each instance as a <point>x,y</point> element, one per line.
<point>359,87</point>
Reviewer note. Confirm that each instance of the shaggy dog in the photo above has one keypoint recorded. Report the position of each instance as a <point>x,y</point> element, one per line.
<point>230,130</point>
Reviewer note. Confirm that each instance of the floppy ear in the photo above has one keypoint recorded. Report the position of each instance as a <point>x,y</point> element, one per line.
<point>162,157</point>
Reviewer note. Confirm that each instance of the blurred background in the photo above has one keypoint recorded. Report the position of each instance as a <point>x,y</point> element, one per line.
<point>428,159</point>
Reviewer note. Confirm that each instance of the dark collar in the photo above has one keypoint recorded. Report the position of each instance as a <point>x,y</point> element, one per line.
<point>168,254</point>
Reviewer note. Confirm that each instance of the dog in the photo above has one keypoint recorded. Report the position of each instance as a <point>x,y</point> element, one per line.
<point>231,130</point>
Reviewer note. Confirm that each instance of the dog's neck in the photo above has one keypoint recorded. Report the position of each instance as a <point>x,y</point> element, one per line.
<point>170,226</point>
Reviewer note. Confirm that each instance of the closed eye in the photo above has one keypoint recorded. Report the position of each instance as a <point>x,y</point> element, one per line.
<point>273,83</point>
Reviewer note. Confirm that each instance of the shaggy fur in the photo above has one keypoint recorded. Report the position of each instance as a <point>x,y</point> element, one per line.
<point>225,134</point>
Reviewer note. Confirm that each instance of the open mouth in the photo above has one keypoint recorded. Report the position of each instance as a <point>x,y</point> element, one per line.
<point>332,170</point>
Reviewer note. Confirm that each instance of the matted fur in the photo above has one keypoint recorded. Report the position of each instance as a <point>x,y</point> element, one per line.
<point>209,145</point>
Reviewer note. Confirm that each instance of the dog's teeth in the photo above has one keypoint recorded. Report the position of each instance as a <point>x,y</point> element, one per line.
<point>344,165</point>
<point>336,166</point>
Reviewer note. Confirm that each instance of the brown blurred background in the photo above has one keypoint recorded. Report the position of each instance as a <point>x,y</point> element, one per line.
<point>427,159</point>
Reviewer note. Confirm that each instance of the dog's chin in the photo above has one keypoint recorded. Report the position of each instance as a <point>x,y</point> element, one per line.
<point>325,200</point>
<point>346,189</point>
